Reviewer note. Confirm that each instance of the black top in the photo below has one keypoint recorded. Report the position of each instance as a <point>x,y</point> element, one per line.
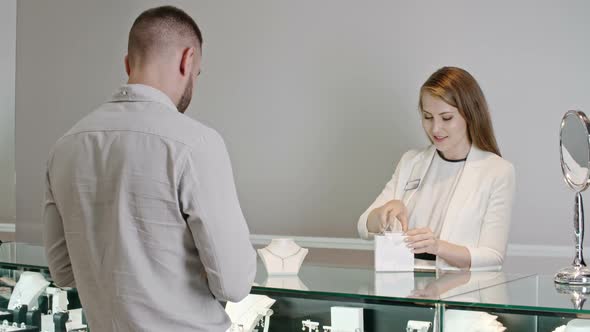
<point>450,160</point>
<point>425,256</point>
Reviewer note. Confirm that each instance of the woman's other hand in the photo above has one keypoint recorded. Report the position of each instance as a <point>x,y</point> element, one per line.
<point>422,240</point>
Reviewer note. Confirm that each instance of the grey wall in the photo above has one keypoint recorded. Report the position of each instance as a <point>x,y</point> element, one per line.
<point>7,73</point>
<point>317,100</point>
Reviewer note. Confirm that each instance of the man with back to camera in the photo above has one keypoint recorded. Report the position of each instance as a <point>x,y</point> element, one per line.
<point>141,211</point>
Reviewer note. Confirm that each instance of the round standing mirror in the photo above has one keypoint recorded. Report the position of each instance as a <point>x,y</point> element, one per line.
<point>574,144</point>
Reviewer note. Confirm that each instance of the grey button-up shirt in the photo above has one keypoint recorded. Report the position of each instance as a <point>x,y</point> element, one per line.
<point>142,216</point>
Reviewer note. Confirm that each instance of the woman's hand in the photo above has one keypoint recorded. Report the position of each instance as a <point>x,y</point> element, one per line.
<point>382,217</point>
<point>422,240</point>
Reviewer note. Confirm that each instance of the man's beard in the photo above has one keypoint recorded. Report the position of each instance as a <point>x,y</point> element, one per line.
<point>186,97</point>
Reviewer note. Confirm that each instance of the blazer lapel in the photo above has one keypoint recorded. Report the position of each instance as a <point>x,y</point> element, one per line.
<point>416,174</point>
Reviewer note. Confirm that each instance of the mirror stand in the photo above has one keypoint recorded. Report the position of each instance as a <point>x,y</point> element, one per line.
<point>574,144</point>
<point>577,273</point>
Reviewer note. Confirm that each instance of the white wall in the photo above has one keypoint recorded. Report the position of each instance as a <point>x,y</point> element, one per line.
<point>317,100</point>
<point>7,73</point>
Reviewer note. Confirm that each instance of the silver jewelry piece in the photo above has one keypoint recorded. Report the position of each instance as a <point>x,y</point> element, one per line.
<point>283,258</point>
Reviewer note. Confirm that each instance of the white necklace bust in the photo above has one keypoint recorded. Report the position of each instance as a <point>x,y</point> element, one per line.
<point>285,282</point>
<point>282,257</point>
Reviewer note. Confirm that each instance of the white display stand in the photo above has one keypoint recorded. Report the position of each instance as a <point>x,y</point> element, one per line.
<point>346,319</point>
<point>418,326</point>
<point>74,322</point>
<point>285,282</point>
<point>27,290</point>
<point>471,321</point>
<point>577,325</point>
<point>60,299</point>
<point>249,313</point>
<point>282,257</point>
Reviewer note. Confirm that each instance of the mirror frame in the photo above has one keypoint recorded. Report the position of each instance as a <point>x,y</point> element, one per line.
<point>584,120</point>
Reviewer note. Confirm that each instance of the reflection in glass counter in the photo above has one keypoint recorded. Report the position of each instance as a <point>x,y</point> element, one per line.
<point>363,283</point>
<point>285,282</point>
<point>526,304</point>
<point>577,293</point>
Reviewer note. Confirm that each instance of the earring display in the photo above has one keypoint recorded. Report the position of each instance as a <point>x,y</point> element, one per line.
<point>418,326</point>
<point>5,315</point>
<point>251,313</point>
<point>308,325</point>
<point>16,327</point>
<point>19,314</point>
<point>282,257</point>
<point>20,319</point>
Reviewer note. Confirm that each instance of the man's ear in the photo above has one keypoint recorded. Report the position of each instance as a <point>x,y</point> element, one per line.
<point>127,67</point>
<point>187,61</point>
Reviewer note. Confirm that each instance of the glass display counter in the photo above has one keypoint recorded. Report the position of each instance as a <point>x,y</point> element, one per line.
<point>389,300</point>
<point>445,301</point>
<point>534,303</point>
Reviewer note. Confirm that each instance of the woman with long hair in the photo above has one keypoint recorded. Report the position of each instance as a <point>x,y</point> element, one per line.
<point>452,199</point>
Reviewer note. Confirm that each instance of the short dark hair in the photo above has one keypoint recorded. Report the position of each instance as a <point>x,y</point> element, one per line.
<point>159,27</point>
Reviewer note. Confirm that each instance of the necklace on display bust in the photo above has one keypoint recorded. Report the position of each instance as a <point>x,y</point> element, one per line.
<point>285,250</point>
<point>283,258</point>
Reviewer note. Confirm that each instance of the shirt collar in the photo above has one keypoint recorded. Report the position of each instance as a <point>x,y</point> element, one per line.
<point>141,92</point>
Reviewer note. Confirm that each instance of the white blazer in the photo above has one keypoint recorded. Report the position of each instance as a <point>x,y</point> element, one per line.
<point>478,215</point>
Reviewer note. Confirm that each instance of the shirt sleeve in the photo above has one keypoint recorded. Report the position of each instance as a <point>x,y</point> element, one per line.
<point>210,205</point>
<point>386,195</point>
<point>496,224</point>
<point>56,250</point>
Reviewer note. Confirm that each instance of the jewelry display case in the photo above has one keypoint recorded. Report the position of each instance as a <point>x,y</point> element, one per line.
<point>534,303</point>
<point>322,298</point>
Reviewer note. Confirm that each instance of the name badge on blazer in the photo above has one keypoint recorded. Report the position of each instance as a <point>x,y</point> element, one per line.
<point>412,184</point>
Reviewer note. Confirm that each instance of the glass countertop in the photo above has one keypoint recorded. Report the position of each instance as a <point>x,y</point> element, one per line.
<point>425,287</point>
<point>537,293</point>
<point>457,288</point>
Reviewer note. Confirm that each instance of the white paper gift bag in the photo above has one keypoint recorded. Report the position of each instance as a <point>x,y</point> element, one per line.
<point>392,254</point>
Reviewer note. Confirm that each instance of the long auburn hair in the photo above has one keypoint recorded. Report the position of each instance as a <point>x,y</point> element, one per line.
<point>456,87</point>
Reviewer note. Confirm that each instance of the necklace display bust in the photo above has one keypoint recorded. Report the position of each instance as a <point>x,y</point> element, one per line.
<point>285,282</point>
<point>282,257</point>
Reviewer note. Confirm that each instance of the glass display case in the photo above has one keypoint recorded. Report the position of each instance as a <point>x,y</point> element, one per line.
<point>533,303</point>
<point>18,260</point>
<point>390,300</point>
<point>386,301</point>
